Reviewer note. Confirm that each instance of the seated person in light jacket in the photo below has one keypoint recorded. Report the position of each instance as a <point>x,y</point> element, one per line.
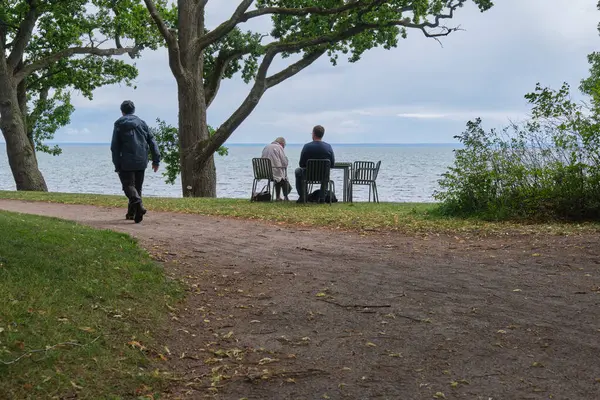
<point>279,163</point>
<point>315,150</point>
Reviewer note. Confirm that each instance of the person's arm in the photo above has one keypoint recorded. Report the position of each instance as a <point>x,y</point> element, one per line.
<point>282,158</point>
<point>332,156</point>
<point>303,158</point>
<point>115,148</point>
<point>153,146</point>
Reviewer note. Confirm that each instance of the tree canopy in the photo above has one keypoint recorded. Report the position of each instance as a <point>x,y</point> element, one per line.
<point>56,47</point>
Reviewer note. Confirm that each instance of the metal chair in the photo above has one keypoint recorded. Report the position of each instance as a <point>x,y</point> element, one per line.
<point>262,170</point>
<point>318,172</point>
<point>365,173</point>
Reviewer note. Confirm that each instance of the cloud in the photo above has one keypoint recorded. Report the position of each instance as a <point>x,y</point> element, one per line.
<point>77,132</point>
<point>498,116</point>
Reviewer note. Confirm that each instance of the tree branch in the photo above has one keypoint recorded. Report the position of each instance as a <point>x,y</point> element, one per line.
<point>248,105</point>
<point>224,28</point>
<point>170,39</point>
<point>211,87</point>
<point>293,69</point>
<point>242,15</point>
<point>23,36</point>
<point>27,70</point>
<point>160,23</point>
<point>261,84</point>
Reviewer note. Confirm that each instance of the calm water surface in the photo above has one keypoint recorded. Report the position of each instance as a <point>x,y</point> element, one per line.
<point>409,173</point>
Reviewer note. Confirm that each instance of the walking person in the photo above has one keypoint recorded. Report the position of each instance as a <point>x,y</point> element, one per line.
<point>129,146</point>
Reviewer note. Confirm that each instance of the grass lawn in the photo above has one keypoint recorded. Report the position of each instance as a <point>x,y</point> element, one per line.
<point>77,312</point>
<point>404,217</point>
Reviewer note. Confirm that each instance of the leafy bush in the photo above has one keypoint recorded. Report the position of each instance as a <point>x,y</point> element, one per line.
<point>545,168</point>
<point>167,140</point>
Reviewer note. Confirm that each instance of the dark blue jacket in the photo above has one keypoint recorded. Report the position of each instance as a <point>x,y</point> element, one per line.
<point>316,150</point>
<point>130,142</point>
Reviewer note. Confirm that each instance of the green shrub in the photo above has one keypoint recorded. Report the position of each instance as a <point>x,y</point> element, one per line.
<point>545,168</point>
<point>167,140</point>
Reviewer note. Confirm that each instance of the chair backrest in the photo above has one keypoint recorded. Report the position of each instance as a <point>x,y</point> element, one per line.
<point>262,168</point>
<point>377,170</point>
<point>317,171</point>
<point>363,171</point>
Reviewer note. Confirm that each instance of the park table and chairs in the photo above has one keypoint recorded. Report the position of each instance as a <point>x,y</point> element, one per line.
<point>357,173</point>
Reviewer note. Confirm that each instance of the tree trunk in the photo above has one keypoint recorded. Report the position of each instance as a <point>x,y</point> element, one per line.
<point>198,179</point>
<point>21,154</point>
<point>22,99</point>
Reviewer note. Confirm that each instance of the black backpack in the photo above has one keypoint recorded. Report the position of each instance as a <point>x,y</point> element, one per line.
<point>314,196</point>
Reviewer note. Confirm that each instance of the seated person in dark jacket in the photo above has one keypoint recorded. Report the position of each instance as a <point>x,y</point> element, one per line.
<point>130,142</point>
<point>315,150</point>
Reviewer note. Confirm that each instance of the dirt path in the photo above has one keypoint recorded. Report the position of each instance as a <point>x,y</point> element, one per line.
<point>276,312</point>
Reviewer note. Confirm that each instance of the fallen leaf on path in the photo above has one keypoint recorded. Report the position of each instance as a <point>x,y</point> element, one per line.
<point>370,344</point>
<point>537,365</point>
<point>439,395</point>
<point>517,290</point>
<point>267,360</point>
<point>137,345</point>
<point>321,294</point>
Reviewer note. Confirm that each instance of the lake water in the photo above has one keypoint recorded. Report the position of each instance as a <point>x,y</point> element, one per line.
<point>409,173</point>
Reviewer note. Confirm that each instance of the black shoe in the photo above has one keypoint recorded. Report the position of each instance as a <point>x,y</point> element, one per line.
<point>130,212</point>
<point>139,213</point>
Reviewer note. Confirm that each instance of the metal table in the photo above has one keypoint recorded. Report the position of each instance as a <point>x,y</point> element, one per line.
<point>346,166</point>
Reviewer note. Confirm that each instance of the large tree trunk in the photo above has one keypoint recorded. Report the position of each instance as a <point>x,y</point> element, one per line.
<point>21,154</point>
<point>197,179</point>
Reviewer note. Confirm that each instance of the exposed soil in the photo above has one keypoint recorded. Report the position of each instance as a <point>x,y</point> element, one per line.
<point>276,312</point>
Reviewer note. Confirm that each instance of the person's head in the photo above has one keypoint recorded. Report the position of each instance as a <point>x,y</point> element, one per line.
<point>318,132</point>
<point>127,107</point>
<point>281,141</point>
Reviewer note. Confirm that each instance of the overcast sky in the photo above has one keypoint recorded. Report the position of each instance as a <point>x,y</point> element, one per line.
<point>419,92</point>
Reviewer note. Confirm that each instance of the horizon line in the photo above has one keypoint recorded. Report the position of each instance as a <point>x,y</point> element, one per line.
<point>289,144</point>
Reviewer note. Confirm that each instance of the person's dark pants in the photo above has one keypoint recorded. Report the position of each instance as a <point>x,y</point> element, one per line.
<point>299,182</point>
<point>132,182</point>
<point>283,185</point>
